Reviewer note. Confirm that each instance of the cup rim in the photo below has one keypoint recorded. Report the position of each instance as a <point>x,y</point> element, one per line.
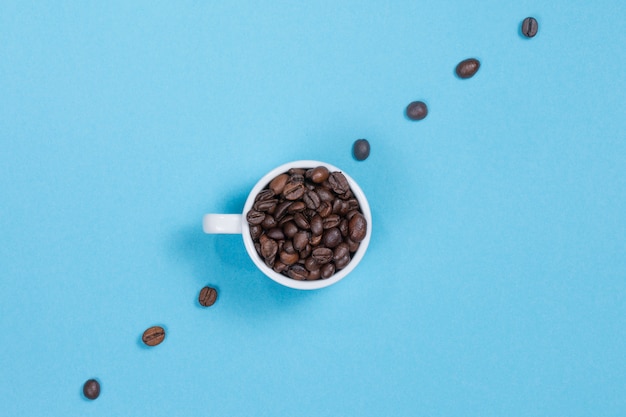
<point>279,278</point>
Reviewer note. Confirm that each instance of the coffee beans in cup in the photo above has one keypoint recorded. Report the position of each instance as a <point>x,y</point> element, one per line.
<point>306,223</point>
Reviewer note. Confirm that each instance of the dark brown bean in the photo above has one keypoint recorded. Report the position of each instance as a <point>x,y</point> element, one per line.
<point>275,233</point>
<point>298,272</point>
<point>255,231</point>
<point>269,222</point>
<point>285,220</point>
<point>327,270</point>
<point>331,221</point>
<point>269,248</point>
<point>338,183</point>
<point>306,252</point>
<point>207,297</point>
<point>296,171</point>
<point>315,240</point>
<point>311,264</point>
<point>296,206</point>
<point>266,206</point>
<point>343,262</point>
<point>255,217</point>
<point>353,246</point>
<point>325,194</point>
<point>530,27</point>
<point>319,174</point>
<point>317,225</point>
<point>289,258</point>
<point>281,209</point>
<point>279,266</point>
<point>322,256</point>
<point>312,200</point>
<point>153,335</point>
<point>290,229</point>
<point>417,110</point>
<point>277,185</point>
<point>331,237</point>
<point>325,209</point>
<point>343,227</point>
<point>288,246</point>
<point>340,251</point>
<point>301,221</point>
<point>314,274</point>
<point>264,195</point>
<point>293,190</point>
<point>467,68</point>
<point>91,389</point>
<point>300,240</point>
<point>358,227</point>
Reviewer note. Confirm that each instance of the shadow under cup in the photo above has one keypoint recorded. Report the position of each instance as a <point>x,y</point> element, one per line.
<point>239,224</point>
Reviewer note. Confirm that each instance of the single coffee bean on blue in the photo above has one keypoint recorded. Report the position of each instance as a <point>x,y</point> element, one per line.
<point>530,27</point>
<point>91,389</point>
<point>467,68</point>
<point>417,110</point>
<point>361,149</point>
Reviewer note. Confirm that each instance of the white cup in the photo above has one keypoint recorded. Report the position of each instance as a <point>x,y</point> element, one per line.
<point>237,224</point>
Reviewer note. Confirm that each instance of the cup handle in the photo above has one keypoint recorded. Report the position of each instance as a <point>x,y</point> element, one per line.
<point>222,223</point>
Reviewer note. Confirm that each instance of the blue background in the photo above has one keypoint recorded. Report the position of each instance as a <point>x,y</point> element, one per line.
<point>495,281</point>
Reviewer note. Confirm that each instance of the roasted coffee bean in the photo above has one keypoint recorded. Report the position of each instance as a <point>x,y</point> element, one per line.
<point>266,206</point>
<point>270,261</point>
<point>288,246</point>
<point>207,297</point>
<point>91,389</point>
<point>255,231</point>
<point>361,149</point>
<point>311,199</point>
<point>257,247</point>
<point>467,68</point>
<point>341,263</point>
<point>322,256</point>
<point>279,266</point>
<point>325,209</point>
<point>353,246</point>
<point>275,233</point>
<point>269,222</point>
<point>343,227</point>
<point>327,270</point>
<point>300,240</point>
<point>301,221</point>
<point>293,190</point>
<point>331,221</point>
<point>269,248</point>
<point>296,207</point>
<point>306,252</point>
<point>290,229</point>
<point>311,264</point>
<point>153,336</point>
<point>296,171</point>
<point>339,183</point>
<point>255,217</point>
<point>298,272</point>
<point>340,207</point>
<point>317,225</point>
<point>281,209</point>
<point>417,110</point>
<point>286,219</point>
<point>350,214</point>
<point>314,274</point>
<point>325,194</point>
<point>319,174</point>
<point>277,185</point>
<point>264,195</point>
<point>315,240</point>
<point>331,237</point>
<point>530,27</point>
<point>289,258</point>
<point>298,178</point>
<point>358,227</point>
<point>340,251</point>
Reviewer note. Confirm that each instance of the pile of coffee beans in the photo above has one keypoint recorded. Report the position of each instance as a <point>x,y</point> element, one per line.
<point>306,224</point>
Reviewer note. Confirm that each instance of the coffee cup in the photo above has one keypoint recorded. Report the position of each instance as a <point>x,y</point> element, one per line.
<point>238,224</point>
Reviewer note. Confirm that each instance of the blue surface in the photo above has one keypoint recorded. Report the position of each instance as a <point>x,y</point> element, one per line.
<point>495,281</point>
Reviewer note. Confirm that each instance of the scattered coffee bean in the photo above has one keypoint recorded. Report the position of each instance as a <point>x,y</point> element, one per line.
<point>153,336</point>
<point>530,27</point>
<point>361,149</point>
<point>91,389</point>
<point>207,297</point>
<point>467,68</point>
<point>417,110</point>
<point>307,224</point>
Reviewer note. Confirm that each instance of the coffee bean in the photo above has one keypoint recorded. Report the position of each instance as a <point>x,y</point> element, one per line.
<point>290,229</point>
<point>269,248</point>
<point>338,183</point>
<point>327,270</point>
<point>361,149</point>
<point>255,231</point>
<point>322,256</point>
<point>279,266</point>
<point>296,171</point>
<point>266,206</point>
<point>264,195</point>
<point>293,190</point>
<point>289,258</point>
<point>153,336</point>
<point>340,251</point>
<point>306,252</point>
<point>325,194</point>
<point>298,272</point>
<point>314,274</point>
<point>301,220</point>
<point>286,219</point>
<point>357,227</point>
<point>325,209</point>
<point>530,27</point>
<point>331,221</point>
<point>331,237</point>
<point>319,174</point>
<point>315,240</point>
<point>343,227</point>
<point>300,240</point>
<point>311,264</point>
<point>277,185</point>
<point>416,110</point>
<point>207,296</point>
<point>255,217</point>
<point>282,209</point>
<point>288,246</point>
<point>353,246</point>
<point>296,207</point>
<point>312,200</point>
<point>467,68</point>
<point>275,233</point>
<point>317,225</point>
<point>269,222</point>
<point>91,389</point>
<point>342,262</point>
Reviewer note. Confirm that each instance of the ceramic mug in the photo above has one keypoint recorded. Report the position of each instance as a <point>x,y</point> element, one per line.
<point>237,224</point>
